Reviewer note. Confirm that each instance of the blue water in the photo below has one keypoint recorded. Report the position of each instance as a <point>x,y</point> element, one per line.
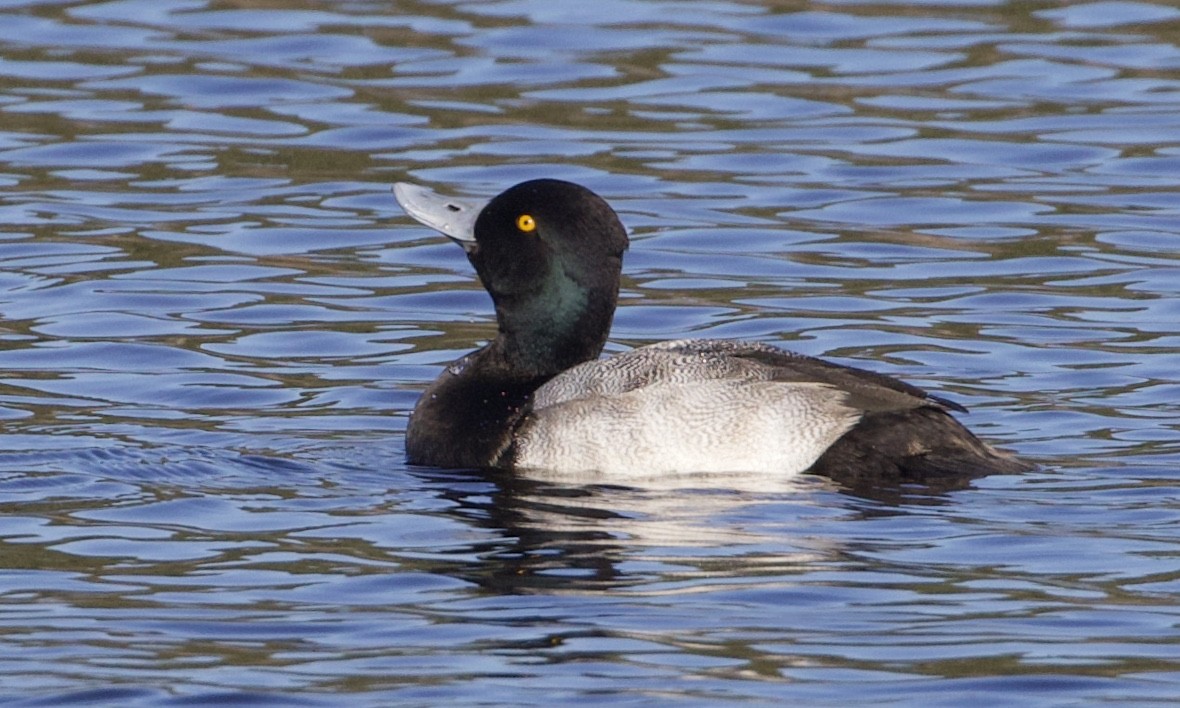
<point>214,321</point>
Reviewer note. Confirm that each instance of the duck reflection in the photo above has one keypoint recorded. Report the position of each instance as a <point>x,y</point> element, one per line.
<point>663,537</point>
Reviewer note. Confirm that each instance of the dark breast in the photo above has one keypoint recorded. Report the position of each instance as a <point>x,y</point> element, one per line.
<point>465,421</point>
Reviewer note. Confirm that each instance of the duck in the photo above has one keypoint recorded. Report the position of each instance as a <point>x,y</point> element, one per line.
<point>538,396</point>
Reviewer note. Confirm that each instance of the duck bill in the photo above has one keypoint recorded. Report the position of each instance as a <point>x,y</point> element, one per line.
<point>454,218</point>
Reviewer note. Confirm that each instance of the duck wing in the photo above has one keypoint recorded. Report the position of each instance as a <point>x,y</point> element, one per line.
<point>698,360</point>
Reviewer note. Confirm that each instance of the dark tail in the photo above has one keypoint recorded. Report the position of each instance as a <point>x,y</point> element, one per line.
<point>916,445</point>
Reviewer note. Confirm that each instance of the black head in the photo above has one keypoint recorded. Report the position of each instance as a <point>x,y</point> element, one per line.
<point>549,252</point>
<point>547,229</point>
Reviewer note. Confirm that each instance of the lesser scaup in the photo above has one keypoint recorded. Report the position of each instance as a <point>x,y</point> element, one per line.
<point>537,396</point>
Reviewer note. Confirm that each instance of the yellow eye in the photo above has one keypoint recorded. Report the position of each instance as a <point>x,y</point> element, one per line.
<point>526,223</point>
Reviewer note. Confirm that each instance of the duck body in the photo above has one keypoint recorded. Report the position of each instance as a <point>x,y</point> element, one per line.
<point>538,398</point>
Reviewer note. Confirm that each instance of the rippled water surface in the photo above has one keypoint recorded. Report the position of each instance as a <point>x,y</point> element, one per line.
<point>215,320</point>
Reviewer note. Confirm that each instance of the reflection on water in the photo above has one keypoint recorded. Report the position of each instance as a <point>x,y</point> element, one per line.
<point>215,321</point>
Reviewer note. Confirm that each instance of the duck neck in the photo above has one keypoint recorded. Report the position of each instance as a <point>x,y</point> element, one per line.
<point>553,330</point>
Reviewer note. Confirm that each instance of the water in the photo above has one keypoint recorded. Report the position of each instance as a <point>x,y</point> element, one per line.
<point>215,321</point>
